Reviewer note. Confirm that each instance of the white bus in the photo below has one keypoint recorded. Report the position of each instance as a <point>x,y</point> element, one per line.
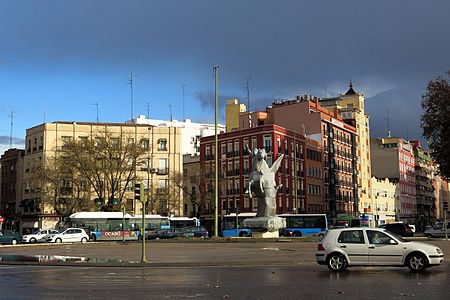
<point>114,225</point>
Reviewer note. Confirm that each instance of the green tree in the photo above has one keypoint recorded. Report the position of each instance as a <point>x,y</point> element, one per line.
<point>435,121</point>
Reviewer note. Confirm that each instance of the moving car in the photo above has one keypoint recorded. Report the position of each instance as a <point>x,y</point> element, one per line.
<point>399,228</point>
<point>195,231</point>
<point>38,236</point>
<point>437,230</point>
<point>10,237</point>
<point>68,235</point>
<point>344,247</point>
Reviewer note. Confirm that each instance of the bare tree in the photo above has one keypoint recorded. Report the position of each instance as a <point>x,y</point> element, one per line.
<point>107,161</point>
<point>65,191</point>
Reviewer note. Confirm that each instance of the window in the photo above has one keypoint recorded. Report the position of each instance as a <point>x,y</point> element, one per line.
<point>376,237</point>
<point>162,144</point>
<point>163,166</point>
<point>145,143</point>
<point>351,237</point>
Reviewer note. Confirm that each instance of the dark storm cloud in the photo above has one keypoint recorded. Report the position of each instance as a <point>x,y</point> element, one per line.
<point>289,47</point>
<point>4,140</point>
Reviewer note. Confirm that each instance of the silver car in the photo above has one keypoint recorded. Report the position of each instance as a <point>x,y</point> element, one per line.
<point>363,246</point>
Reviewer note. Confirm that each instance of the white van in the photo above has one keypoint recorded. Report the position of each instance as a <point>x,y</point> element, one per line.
<point>437,230</point>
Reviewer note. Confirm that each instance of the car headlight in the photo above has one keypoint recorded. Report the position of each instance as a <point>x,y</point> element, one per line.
<point>439,251</point>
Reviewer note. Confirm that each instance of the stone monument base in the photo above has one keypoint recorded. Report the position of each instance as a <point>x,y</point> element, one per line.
<point>266,234</point>
<point>265,226</point>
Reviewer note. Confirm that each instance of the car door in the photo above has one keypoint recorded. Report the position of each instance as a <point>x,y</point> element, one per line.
<point>352,242</point>
<point>383,249</point>
<point>67,236</point>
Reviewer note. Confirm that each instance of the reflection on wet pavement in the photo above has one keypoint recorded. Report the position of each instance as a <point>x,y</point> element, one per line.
<point>58,259</point>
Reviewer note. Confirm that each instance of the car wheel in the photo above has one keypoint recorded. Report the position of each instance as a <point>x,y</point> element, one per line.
<point>13,242</point>
<point>297,234</point>
<point>428,235</point>
<point>336,262</point>
<point>84,240</point>
<point>93,237</point>
<point>32,241</point>
<point>243,234</point>
<point>416,262</point>
<point>58,240</point>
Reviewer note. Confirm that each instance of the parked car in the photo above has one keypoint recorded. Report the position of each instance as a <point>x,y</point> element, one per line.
<point>344,247</point>
<point>195,231</point>
<point>155,234</point>
<point>437,230</point>
<point>68,235</point>
<point>38,236</point>
<point>399,228</point>
<point>10,237</point>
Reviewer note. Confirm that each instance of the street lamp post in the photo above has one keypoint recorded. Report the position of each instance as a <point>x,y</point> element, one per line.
<point>216,153</point>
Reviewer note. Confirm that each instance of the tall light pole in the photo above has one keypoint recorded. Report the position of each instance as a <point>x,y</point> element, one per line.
<point>216,153</point>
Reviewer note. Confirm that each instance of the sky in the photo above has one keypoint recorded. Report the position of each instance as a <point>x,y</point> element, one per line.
<point>64,60</point>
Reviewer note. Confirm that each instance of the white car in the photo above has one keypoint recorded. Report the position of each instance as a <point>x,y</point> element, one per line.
<point>364,246</point>
<point>69,235</point>
<point>38,236</point>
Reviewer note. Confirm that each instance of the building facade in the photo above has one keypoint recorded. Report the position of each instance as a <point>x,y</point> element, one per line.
<point>381,210</point>
<point>300,174</point>
<point>11,167</point>
<point>304,115</point>
<point>393,158</point>
<point>163,160</point>
<point>351,108</point>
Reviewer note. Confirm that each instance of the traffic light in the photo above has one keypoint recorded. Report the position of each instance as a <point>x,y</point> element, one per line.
<point>139,191</point>
<point>446,205</point>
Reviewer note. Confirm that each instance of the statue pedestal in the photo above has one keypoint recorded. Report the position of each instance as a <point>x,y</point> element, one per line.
<point>265,227</point>
<point>266,234</point>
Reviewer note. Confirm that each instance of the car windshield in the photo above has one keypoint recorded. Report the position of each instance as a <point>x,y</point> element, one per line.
<point>396,236</point>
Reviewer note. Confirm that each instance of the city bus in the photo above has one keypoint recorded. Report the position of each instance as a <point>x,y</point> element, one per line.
<point>180,222</point>
<point>305,224</point>
<point>114,225</point>
<point>229,227</point>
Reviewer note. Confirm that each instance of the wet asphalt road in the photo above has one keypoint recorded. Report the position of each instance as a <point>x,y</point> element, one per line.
<point>262,270</point>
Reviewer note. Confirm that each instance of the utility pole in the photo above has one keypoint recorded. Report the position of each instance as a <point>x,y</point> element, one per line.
<point>130,82</point>
<point>96,104</point>
<point>216,152</point>
<point>247,86</point>
<point>11,131</point>
<point>388,127</point>
<point>183,102</point>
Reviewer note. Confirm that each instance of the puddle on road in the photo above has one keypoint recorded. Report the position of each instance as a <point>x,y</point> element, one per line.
<point>59,259</point>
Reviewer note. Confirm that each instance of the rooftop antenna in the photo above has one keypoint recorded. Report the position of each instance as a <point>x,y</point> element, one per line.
<point>183,102</point>
<point>96,104</point>
<point>45,116</point>
<point>247,87</point>
<point>11,132</point>
<point>170,108</point>
<point>130,82</point>
<point>388,127</point>
<point>148,110</point>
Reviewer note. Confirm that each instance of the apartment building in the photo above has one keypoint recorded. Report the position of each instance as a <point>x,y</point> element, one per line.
<point>381,209</point>
<point>393,158</point>
<point>11,167</point>
<point>300,174</point>
<point>163,159</point>
<point>350,106</point>
<point>306,116</point>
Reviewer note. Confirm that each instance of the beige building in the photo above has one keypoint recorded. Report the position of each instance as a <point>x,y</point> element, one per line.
<point>381,210</point>
<point>351,108</point>
<point>233,110</point>
<point>163,158</point>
